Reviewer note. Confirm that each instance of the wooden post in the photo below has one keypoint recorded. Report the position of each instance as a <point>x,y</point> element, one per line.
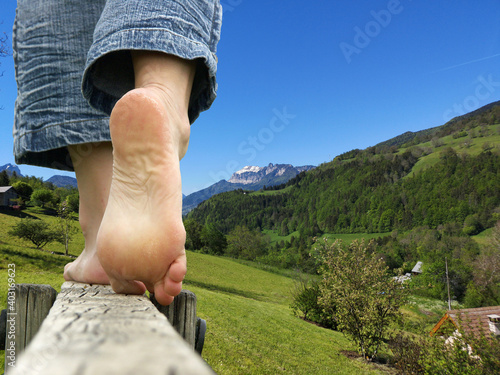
<point>91,330</point>
<point>181,314</point>
<point>27,307</point>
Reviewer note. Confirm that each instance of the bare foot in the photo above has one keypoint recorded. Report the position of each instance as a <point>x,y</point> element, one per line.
<point>93,167</point>
<point>86,269</point>
<point>140,243</point>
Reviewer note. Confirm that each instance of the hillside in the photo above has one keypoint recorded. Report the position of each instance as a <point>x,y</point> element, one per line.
<point>246,309</point>
<point>63,181</point>
<point>10,168</point>
<point>449,174</point>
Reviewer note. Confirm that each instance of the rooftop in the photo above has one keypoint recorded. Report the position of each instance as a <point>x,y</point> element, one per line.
<point>472,321</point>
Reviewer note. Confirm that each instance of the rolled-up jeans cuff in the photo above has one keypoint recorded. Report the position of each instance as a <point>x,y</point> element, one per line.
<point>109,71</point>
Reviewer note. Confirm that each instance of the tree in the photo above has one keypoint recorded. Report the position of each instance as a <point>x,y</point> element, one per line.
<point>246,244</point>
<point>193,234</point>
<point>73,202</point>
<point>65,225</point>
<point>4,178</point>
<point>23,189</point>
<point>214,241</point>
<point>42,196</point>
<point>484,289</point>
<point>36,231</point>
<point>356,284</point>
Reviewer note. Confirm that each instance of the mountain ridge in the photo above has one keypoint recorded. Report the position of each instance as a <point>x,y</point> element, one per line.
<point>248,178</point>
<point>11,168</point>
<point>377,189</point>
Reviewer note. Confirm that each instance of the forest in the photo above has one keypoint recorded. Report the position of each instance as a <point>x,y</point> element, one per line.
<point>424,194</point>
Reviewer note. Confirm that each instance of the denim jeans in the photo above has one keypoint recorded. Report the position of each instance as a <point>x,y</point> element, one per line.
<point>66,48</point>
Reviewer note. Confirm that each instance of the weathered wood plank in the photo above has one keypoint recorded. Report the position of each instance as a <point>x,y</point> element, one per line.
<point>181,314</point>
<point>91,330</point>
<point>31,304</point>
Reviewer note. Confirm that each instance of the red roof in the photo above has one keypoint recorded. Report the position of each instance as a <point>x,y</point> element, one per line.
<point>472,321</point>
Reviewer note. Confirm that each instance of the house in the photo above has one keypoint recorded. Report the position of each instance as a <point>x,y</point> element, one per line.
<point>7,195</point>
<point>471,321</point>
<point>417,270</point>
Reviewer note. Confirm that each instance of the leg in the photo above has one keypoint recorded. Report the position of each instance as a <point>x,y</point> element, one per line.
<point>93,172</point>
<point>141,239</point>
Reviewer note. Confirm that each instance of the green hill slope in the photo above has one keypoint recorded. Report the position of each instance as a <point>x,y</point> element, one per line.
<point>443,175</point>
<point>251,329</point>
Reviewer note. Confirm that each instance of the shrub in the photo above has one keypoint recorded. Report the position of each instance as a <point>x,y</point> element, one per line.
<point>305,304</point>
<point>36,231</point>
<point>357,287</point>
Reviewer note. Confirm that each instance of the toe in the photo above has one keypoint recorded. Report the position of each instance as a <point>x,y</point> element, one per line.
<point>172,287</point>
<point>161,296</point>
<point>178,269</point>
<point>127,286</point>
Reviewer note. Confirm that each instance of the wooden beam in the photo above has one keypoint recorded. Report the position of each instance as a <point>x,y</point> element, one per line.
<point>27,307</point>
<point>92,330</point>
<point>181,314</point>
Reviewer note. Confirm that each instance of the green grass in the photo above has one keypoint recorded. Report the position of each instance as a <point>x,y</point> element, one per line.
<point>483,238</point>
<point>458,145</point>
<point>421,314</point>
<point>272,192</point>
<point>251,329</point>
<point>349,237</point>
<point>345,237</point>
<point>275,237</point>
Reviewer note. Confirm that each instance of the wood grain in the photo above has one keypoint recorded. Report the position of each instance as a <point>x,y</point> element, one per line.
<point>92,330</point>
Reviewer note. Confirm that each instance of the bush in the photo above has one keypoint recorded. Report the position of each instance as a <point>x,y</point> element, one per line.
<point>357,287</point>
<point>407,354</point>
<point>40,197</point>
<point>214,242</point>
<point>246,244</point>
<point>465,354</point>
<point>36,231</point>
<point>23,189</point>
<point>305,304</point>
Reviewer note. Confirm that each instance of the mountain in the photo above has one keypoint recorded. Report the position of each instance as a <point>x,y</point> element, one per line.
<point>63,181</point>
<point>273,174</point>
<point>248,178</point>
<point>447,175</point>
<point>11,168</point>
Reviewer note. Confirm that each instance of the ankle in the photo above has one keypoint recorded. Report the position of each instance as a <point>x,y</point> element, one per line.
<point>178,119</point>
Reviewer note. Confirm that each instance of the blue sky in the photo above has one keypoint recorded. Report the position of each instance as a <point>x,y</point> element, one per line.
<point>303,81</point>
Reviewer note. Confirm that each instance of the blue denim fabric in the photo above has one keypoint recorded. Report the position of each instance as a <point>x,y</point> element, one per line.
<point>56,43</point>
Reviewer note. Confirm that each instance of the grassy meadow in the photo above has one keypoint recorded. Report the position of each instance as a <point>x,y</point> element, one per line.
<point>460,145</point>
<point>251,329</point>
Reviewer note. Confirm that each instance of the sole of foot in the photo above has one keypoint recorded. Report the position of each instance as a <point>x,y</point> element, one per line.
<point>140,243</point>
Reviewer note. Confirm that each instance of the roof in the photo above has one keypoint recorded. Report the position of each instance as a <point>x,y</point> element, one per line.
<point>4,189</point>
<point>472,321</point>
<point>417,268</point>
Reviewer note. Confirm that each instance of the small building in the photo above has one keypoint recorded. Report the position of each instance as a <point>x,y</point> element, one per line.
<point>471,321</point>
<point>417,270</point>
<point>7,196</point>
